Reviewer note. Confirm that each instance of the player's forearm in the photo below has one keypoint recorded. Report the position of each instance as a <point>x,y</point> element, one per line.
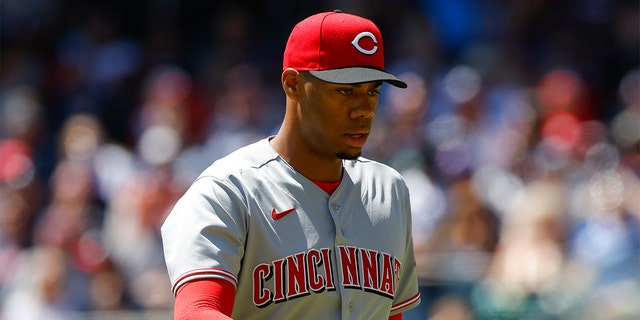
<point>199,314</point>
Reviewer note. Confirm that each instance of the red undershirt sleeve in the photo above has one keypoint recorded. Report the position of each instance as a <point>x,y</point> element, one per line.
<point>396,317</point>
<point>204,299</point>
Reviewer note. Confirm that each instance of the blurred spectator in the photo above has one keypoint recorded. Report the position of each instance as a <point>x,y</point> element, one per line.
<point>456,254</point>
<point>133,216</point>
<point>38,287</point>
<point>528,261</point>
<point>170,99</point>
<point>15,231</point>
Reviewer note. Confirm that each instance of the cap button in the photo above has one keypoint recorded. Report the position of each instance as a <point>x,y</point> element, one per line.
<point>337,11</point>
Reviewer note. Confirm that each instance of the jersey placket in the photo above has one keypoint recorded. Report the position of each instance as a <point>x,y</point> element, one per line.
<point>341,218</point>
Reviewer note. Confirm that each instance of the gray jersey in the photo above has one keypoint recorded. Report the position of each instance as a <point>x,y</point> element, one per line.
<point>292,250</point>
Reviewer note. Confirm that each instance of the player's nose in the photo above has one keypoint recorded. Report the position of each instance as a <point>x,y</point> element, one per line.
<point>364,107</point>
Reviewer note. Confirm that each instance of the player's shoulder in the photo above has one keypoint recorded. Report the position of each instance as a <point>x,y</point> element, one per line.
<point>373,177</point>
<point>372,168</point>
<point>244,159</point>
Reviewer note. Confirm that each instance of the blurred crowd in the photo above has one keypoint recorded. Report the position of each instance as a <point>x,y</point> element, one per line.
<point>519,137</point>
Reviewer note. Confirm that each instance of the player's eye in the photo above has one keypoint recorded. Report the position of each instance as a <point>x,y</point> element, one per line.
<point>374,92</point>
<point>345,91</point>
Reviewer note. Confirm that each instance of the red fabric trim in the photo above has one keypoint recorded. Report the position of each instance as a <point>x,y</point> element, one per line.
<point>204,299</point>
<point>410,301</point>
<point>396,317</point>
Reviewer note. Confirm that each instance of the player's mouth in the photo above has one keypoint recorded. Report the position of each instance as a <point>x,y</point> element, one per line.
<point>357,139</point>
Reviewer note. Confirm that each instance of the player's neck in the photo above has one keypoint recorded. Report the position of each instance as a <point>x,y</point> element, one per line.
<point>312,167</point>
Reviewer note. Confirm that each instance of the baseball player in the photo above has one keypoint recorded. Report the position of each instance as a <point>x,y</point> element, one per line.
<point>299,225</point>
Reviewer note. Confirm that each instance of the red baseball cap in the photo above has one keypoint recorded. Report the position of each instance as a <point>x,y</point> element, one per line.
<point>339,48</point>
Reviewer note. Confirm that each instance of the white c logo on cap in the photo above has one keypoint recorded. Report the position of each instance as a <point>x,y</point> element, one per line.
<point>367,34</point>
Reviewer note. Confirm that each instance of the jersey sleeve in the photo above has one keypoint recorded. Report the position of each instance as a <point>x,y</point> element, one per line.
<point>408,294</point>
<point>203,236</point>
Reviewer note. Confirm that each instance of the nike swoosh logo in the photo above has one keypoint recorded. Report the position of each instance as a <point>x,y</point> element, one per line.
<point>279,215</point>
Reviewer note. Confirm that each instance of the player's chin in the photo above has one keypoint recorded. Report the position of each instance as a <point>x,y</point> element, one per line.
<point>348,155</point>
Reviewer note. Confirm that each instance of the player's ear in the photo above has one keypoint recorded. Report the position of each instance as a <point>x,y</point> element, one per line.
<point>291,79</point>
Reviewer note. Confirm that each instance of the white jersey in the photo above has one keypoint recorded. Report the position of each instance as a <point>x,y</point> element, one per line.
<point>291,250</point>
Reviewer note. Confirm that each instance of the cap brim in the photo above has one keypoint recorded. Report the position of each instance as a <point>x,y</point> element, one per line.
<point>357,75</point>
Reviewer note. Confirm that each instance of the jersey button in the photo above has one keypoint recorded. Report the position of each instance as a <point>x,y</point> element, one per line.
<point>350,305</point>
<point>336,206</point>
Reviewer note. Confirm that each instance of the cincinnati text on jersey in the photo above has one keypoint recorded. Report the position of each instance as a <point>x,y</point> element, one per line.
<point>310,272</point>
